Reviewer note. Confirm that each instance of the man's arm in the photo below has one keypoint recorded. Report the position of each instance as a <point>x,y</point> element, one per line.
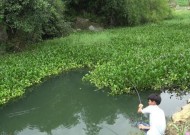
<point>140,108</point>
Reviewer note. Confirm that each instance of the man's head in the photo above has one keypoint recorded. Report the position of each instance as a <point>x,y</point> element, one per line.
<point>154,99</point>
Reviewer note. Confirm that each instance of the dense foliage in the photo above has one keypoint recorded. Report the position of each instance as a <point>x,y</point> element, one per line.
<point>1,12</point>
<point>121,12</point>
<point>153,56</point>
<point>182,2</point>
<point>31,20</point>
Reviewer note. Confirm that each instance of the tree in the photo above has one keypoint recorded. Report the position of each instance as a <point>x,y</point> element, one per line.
<point>121,12</point>
<point>28,21</point>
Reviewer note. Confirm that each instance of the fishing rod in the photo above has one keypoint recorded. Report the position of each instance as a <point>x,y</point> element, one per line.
<point>140,101</point>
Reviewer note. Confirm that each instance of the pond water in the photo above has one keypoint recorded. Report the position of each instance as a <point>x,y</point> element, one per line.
<point>64,105</point>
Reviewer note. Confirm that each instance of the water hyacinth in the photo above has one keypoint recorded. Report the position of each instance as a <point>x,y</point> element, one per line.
<point>152,56</point>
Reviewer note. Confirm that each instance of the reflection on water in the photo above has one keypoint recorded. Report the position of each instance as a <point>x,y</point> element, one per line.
<point>172,103</point>
<point>64,105</point>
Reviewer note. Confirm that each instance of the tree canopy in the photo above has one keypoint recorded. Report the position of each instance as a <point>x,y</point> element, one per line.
<point>32,20</point>
<point>121,12</point>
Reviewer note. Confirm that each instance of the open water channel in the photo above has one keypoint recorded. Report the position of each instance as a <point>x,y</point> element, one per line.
<point>64,105</point>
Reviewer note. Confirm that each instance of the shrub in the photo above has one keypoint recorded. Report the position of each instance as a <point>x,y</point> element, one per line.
<point>56,25</point>
<point>121,12</point>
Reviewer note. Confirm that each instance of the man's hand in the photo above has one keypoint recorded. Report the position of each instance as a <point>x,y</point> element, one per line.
<point>140,108</point>
<point>142,127</point>
<point>140,105</point>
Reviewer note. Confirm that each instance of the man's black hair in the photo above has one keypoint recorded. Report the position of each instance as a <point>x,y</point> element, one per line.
<point>155,97</point>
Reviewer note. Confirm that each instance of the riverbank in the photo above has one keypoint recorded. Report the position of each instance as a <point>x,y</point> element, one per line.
<point>180,123</point>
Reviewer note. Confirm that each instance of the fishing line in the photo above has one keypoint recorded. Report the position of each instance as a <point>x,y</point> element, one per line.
<point>111,130</point>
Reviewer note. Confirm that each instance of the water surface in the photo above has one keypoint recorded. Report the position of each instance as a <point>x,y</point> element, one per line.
<point>64,105</point>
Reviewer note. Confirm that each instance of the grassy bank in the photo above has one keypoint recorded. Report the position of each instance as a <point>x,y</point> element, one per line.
<point>151,57</point>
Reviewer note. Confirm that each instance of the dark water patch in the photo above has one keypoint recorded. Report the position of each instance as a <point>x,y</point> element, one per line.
<point>64,105</point>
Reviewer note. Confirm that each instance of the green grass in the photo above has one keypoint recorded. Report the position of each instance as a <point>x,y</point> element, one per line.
<point>152,56</point>
<point>182,2</point>
<point>182,128</point>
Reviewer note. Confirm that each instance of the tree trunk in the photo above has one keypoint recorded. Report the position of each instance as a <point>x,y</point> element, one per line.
<point>3,33</point>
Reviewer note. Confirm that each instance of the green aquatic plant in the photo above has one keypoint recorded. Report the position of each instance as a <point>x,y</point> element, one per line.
<point>152,56</point>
